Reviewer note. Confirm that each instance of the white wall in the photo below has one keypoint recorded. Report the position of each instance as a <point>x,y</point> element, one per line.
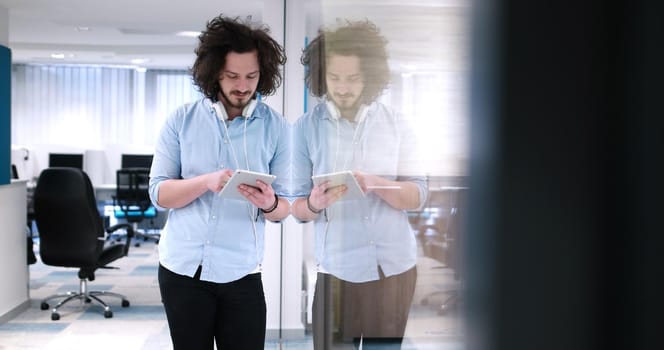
<point>4,26</point>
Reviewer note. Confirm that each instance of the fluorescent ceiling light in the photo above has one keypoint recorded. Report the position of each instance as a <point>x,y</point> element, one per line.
<point>189,34</point>
<point>139,60</point>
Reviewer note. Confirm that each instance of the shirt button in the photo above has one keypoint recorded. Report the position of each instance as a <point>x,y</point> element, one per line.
<point>371,242</point>
<point>207,242</point>
<point>214,217</point>
<point>366,218</point>
<point>225,140</point>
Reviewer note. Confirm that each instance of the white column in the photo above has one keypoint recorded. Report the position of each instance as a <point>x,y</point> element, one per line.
<point>4,26</point>
<point>282,275</point>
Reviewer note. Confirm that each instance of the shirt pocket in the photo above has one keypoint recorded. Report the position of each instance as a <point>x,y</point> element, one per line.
<point>201,157</point>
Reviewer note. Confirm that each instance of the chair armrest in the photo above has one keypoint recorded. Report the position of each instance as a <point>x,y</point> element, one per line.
<point>127,227</point>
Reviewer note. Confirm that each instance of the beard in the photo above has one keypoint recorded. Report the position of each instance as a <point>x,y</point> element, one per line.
<point>237,99</point>
<point>348,104</point>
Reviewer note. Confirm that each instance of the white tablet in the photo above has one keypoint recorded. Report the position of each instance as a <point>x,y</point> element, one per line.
<point>346,177</point>
<point>230,191</point>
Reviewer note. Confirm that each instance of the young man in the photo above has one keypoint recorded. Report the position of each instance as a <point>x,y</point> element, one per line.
<point>211,249</point>
<point>365,249</point>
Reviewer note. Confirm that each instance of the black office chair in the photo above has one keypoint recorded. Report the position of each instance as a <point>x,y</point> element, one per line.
<point>132,201</point>
<point>14,172</point>
<point>443,241</point>
<point>72,234</point>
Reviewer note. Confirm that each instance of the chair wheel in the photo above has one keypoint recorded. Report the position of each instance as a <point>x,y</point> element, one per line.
<point>44,306</point>
<point>55,316</point>
<point>125,303</point>
<point>88,300</point>
<point>108,314</point>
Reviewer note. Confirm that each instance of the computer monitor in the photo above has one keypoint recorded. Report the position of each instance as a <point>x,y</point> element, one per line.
<point>68,160</point>
<point>136,161</point>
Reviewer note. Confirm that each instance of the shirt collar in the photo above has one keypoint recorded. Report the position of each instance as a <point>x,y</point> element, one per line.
<point>256,113</point>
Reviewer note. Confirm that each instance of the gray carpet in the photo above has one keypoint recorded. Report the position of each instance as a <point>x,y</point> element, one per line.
<point>143,325</point>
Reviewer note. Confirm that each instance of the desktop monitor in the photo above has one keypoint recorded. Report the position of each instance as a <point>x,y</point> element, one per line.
<point>136,161</point>
<point>69,160</point>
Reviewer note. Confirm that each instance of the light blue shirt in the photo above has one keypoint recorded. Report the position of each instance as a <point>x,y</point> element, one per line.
<point>225,237</point>
<point>354,237</point>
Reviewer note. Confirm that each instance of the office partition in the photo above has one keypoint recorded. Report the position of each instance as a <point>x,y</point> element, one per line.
<point>5,114</point>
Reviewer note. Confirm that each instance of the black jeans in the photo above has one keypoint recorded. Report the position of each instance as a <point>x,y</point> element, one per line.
<point>200,313</point>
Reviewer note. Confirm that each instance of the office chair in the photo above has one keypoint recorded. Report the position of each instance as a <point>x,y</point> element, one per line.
<point>443,241</point>
<point>132,201</point>
<point>14,172</point>
<point>72,234</point>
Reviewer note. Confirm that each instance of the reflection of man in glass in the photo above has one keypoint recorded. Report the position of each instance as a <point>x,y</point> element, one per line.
<point>365,250</point>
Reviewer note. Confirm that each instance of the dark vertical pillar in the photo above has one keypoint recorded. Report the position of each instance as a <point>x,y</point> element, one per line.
<point>564,231</point>
<point>638,143</point>
<point>5,114</point>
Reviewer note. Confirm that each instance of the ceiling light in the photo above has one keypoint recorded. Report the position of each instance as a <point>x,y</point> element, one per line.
<point>139,60</point>
<point>82,29</point>
<point>189,34</point>
<point>141,69</point>
<point>58,56</point>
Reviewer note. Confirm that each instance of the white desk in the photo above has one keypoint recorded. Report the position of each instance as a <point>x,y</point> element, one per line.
<point>14,294</point>
<point>104,192</point>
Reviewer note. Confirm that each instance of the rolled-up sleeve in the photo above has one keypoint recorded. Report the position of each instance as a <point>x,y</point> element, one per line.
<point>166,161</point>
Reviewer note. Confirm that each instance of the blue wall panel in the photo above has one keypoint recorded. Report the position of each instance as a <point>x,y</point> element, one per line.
<point>5,114</point>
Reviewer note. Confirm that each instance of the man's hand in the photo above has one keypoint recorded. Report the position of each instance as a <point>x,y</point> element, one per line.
<point>366,181</point>
<point>217,180</point>
<point>261,195</point>
<point>322,196</point>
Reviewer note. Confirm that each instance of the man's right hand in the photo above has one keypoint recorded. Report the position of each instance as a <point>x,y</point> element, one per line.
<point>218,179</point>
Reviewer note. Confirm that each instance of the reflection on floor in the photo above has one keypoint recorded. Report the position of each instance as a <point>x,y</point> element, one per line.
<point>143,326</point>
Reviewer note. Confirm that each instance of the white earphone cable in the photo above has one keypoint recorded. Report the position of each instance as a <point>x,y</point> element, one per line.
<point>362,114</point>
<point>250,207</point>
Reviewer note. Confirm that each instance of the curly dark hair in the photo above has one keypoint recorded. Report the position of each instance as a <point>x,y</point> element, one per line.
<point>223,35</point>
<point>355,38</point>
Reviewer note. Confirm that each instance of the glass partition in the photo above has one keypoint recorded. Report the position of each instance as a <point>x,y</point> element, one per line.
<point>386,92</point>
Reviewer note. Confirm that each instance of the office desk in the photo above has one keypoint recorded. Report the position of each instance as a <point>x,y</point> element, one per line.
<point>104,192</point>
<point>14,294</point>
